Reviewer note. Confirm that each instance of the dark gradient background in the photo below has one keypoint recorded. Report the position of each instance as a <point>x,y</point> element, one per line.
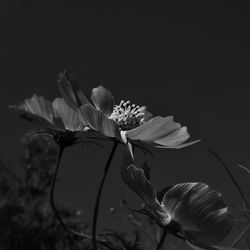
<point>188,61</point>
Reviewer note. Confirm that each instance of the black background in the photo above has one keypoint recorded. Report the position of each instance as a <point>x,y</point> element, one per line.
<point>188,61</point>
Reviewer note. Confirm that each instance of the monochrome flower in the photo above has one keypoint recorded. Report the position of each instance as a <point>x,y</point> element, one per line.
<point>126,122</point>
<point>191,211</point>
<point>57,118</point>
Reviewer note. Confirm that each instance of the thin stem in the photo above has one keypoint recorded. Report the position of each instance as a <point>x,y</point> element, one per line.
<point>241,235</point>
<point>231,176</point>
<point>53,206</point>
<point>163,236</point>
<point>97,203</point>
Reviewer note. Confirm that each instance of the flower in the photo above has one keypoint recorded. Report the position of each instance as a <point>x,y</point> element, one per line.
<point>192,211</point>
<point>57,117</point>
<point>125,122</point>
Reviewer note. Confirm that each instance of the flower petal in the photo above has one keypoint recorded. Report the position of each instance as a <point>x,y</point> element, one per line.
<point>70,90</point>
<point>131,149</point>
<point>160,194</point>
<point>154,129</point>
<point>68,116</point>
<point>200,211</point>
<point>103,100</point>
<point>178,146</point>
<point>38,109</point>
<point>135,178</point>
<point>96,120</point>
<point>175,140</point>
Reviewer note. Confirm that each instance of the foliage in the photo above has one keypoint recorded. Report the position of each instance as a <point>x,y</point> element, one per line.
<point>27,221</point>
<point>26,218</point>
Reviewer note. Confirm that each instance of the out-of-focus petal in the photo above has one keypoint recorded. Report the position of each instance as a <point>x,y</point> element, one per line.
<point>103,100</point>
<point>37,109</point>
<point>68,116</point>
<point>175,139</point>
<point>70,91</point>
<point>200,211</point>
<point>135,178</point>
<point>96,120</point>
<point>154,129</point>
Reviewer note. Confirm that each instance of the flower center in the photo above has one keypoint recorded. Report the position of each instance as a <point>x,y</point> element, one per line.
<point>127,115</point>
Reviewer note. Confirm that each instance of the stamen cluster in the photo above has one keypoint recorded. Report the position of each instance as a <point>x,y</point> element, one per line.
<point>127,115</point>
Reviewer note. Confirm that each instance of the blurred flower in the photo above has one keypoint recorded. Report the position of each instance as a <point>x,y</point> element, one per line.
<point>126,121</point>
<point>192,211</point>
<point>112,210</point>
<point>58,119</point>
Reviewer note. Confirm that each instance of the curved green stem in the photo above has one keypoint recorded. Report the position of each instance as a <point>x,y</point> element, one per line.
<point>241,235</point>
<point>53,206</point>
<point>163,236</point>
<point>97,203</point>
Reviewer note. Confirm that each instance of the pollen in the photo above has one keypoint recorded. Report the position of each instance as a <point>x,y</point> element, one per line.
<point>127,115</point>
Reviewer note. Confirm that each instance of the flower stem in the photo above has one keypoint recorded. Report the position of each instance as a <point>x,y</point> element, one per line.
<point>231,176</point>
<point>97,203</point>
<point>240,236</point>
<point>52,203</point>
<point>163,236</point>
